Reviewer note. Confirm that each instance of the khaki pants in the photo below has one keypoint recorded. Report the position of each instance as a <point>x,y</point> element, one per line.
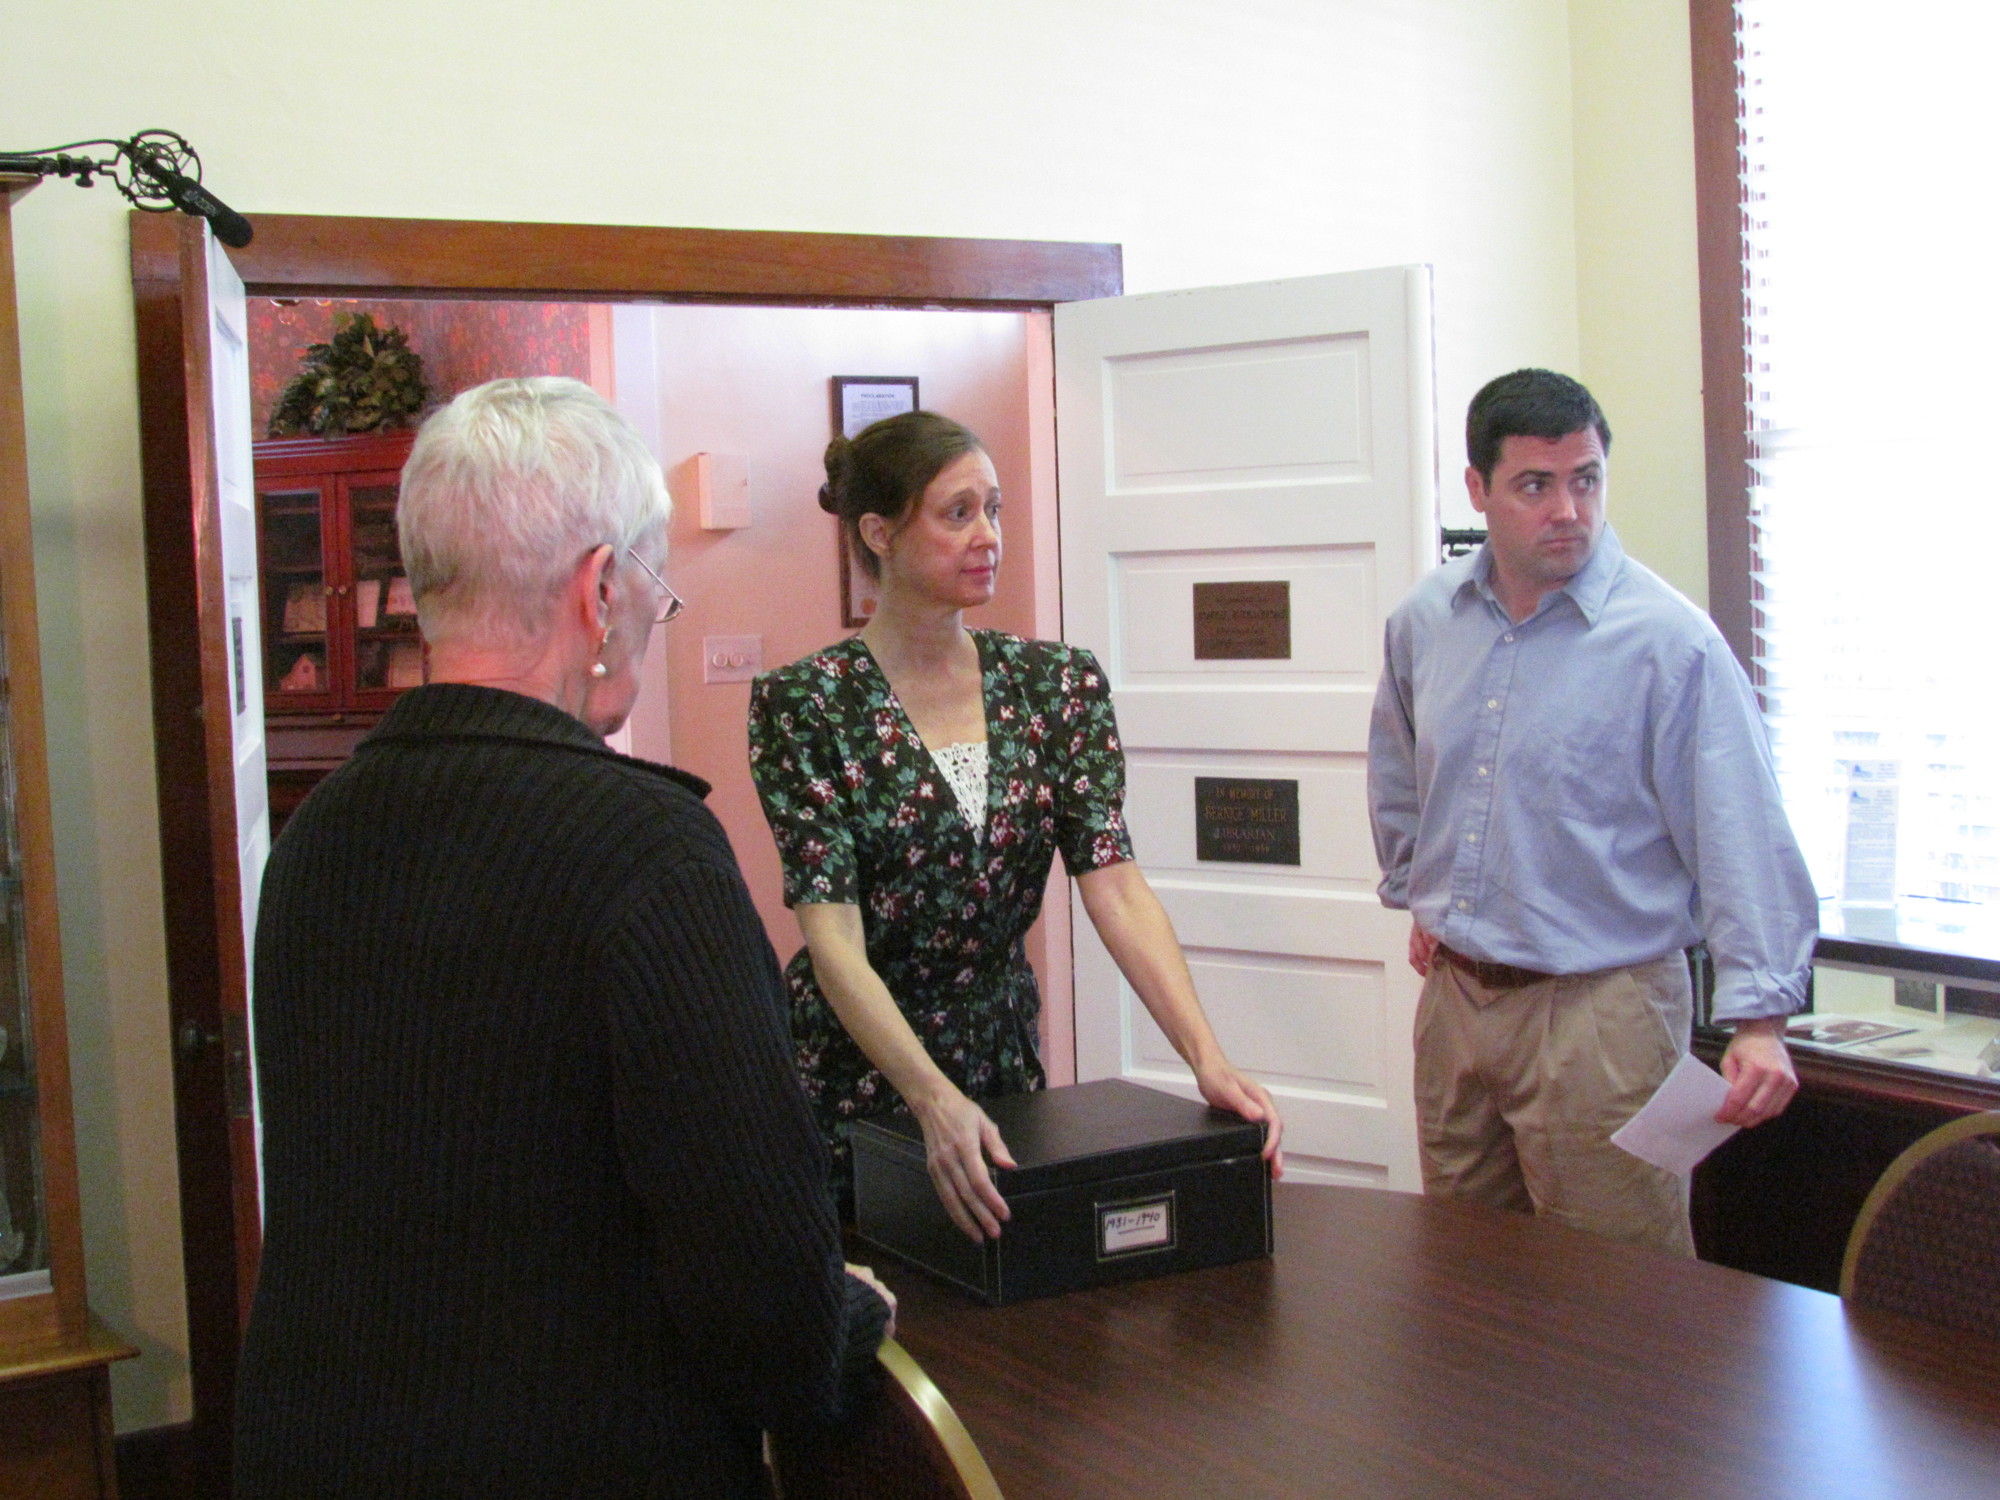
<point>1519,1090</point>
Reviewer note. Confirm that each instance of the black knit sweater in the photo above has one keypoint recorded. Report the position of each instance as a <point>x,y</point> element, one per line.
<point>545,1213</point>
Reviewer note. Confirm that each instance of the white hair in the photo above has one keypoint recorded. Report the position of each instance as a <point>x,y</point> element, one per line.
<point>506,490</point>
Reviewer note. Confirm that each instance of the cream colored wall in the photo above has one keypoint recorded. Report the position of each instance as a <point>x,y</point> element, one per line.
<point>1217,140</point>
<point>1637,291</point>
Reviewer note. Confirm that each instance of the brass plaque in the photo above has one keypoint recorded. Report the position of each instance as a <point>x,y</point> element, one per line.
<point>1246,821</point>
<point>1243,621</point>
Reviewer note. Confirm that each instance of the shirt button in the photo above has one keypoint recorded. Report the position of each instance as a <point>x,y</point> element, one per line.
<point>1472,838</point>
<point>1482,771</point>
<point>1464,905</point>
<point>1509,639</point>
<point>1492,702</point>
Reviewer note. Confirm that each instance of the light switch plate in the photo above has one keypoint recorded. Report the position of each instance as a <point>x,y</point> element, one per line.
<point>731,658</point>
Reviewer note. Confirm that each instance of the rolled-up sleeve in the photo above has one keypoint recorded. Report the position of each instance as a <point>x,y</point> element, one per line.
<point>1757,907</point>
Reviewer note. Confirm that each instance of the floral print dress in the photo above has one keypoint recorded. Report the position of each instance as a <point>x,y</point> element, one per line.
<point>864,817</point>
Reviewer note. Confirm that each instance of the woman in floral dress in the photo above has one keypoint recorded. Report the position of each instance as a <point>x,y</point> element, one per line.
<point>919,778</point>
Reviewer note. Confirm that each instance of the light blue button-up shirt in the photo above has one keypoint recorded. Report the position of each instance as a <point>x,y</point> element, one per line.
<point>1587,789</point>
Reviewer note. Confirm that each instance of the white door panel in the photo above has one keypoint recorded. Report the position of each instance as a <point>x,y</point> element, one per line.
<point>229,367</point>
<point>235,493</point>
<point>1332,802</point>
<point>1332,605</point>
<point>1278,919</point>
<point>1244,718</point>
<point>1247,487</point>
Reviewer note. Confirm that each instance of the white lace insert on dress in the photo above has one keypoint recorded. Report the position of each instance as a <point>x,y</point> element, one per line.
<point>964,768</point>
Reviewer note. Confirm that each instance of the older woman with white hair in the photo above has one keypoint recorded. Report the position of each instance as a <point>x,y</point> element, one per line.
<point>545,1210</point>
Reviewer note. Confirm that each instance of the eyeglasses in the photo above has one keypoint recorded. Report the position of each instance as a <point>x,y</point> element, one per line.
<point>675,603</point>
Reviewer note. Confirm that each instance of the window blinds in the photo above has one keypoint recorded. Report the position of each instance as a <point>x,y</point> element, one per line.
<point>1870,139</point>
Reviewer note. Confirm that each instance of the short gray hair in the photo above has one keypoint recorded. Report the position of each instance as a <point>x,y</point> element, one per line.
<point>506,489</point>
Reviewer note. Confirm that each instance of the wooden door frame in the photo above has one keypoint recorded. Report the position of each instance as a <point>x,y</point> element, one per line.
<point>1725,366</point>
<point>313,255</point>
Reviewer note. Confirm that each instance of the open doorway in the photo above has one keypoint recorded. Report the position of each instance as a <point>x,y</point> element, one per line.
<point>748,386</point>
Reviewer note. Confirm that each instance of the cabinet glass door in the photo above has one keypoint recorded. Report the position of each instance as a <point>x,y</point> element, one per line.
<point>388,651</point>
<point>298,670</point>
<point>24,1240</point>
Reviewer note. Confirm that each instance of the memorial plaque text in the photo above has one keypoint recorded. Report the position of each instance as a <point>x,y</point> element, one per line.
<point>1243,621</point>
<point>1246,821</point>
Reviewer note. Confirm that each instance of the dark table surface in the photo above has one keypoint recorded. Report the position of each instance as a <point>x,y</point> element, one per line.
<point>1402,1347</point>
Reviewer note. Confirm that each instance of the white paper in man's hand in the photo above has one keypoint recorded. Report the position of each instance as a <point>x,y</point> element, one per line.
<point>1677,1127</point>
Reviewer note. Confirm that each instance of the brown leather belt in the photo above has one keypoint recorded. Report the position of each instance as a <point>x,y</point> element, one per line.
<point>1493,976</point>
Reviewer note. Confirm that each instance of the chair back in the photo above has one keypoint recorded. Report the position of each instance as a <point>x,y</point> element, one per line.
<point>903,1442</point>
<point>1927,1241</point>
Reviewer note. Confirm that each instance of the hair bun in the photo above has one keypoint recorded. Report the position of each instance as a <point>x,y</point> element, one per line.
<point>838,463</point>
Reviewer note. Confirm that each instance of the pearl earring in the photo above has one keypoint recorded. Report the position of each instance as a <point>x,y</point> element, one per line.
<point>597,668</point>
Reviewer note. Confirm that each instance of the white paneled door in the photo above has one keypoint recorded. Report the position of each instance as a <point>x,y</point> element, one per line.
<point>236,491</point>
<point>1248,486</point>
<point>224,339</point>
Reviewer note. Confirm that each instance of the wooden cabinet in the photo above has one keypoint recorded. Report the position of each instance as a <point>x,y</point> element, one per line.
<point>1782,1199</point>
<point>55,1414</point>
<point>339,627</point>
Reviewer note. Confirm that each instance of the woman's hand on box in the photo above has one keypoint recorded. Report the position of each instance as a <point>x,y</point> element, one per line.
<point>958,1139</point>
<point>1225,1088</point>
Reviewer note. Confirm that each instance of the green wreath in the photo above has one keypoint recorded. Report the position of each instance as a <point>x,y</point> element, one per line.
<point>363,379</point>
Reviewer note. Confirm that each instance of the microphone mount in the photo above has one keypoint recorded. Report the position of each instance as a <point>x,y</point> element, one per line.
<point>156,170</point>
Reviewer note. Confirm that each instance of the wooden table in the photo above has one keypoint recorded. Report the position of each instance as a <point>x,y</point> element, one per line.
<point>1398,1347</point>
<point>55,1416</point>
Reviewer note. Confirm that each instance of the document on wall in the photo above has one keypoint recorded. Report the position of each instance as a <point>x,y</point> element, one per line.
<point>1677,1127</point>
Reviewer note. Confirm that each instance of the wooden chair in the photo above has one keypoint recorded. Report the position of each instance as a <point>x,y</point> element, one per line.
<point>906,1443</point>
<point>1927,1241</point>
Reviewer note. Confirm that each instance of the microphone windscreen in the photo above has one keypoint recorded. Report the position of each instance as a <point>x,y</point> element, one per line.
<point>231,227</point>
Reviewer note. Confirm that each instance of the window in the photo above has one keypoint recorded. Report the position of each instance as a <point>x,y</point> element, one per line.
<point>1867,346</point>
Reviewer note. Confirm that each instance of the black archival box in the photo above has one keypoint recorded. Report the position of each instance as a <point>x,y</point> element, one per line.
<point>1114,1181</point>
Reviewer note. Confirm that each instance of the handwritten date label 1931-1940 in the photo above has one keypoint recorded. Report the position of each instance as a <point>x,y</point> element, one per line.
<point>1242,820</point>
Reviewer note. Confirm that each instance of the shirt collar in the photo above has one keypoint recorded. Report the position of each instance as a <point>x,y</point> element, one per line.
<point>1588,591</point>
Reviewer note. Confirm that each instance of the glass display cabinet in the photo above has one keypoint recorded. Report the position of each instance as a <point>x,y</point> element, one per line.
<point>339,625</point>
<point>55,1394</point>
<point>24,1229</point>
<point>340,628</point>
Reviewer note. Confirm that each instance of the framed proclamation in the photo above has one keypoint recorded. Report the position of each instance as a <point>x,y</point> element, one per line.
<point>861,399</point>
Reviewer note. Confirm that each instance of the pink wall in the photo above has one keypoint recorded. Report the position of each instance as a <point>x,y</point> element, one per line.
<point>754,381</point>
<point>462,343</point>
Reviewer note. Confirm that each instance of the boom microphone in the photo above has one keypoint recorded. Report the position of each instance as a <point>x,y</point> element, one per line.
<point>190,197</point>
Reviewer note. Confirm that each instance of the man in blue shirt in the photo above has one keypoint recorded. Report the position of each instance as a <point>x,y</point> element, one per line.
<point>1570,785</point>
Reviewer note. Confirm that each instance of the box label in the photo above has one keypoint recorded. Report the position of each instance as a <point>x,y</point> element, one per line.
<point>1141,1224</point>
